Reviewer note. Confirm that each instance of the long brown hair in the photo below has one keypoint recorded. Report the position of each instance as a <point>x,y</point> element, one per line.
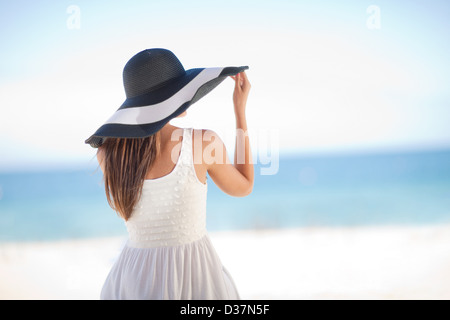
<point>126,162</point>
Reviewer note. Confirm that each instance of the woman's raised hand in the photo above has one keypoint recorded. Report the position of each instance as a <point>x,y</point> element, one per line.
<point>240,94</point>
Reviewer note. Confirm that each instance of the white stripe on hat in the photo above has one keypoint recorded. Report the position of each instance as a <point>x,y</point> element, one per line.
<point>159,111</point>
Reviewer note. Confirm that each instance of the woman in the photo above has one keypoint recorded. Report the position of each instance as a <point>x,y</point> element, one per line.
<point>155,178</point>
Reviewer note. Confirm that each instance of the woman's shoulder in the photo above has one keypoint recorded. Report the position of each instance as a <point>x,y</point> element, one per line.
<point>206,137</point>
<point>209,145</point>
<point>205,133</point>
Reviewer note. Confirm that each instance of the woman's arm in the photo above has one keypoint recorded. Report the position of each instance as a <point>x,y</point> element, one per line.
<point>242,155</point>
<point>236,179</point>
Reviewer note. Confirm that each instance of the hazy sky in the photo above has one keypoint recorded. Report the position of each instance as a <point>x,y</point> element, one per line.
<point>326,75</point>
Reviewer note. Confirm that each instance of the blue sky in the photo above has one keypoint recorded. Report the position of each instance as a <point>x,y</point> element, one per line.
<point>322,80</point>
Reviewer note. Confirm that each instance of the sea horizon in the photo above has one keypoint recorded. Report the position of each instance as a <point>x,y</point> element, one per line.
<point>309,190</point>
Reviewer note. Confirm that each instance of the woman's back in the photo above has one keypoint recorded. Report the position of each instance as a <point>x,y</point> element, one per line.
<point>171,140</point>
<point>172,208</point>
<point>169,254</point>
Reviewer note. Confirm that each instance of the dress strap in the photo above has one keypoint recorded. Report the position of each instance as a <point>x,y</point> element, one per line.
<point>186,157</point>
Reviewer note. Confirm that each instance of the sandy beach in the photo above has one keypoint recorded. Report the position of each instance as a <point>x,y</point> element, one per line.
<point>309,263</point>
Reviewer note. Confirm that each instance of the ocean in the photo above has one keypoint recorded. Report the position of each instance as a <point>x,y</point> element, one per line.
<point>411,188</point>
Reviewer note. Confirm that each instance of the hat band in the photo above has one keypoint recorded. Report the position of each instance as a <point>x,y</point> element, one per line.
<point>160,111</point>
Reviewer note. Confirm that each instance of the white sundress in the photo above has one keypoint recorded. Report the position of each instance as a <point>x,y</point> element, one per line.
<point>168,254</point>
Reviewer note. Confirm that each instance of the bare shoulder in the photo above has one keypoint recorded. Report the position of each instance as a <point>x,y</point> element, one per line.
<point>207,139</point>
<point>211,146</point>
<point>206,136</point>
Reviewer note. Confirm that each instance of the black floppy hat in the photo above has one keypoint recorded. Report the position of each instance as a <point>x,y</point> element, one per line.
<point>157,89</point>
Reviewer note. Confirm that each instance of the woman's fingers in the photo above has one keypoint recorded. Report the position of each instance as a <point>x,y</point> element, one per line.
<point>244,76</point>
<point>245,84</point>
<point>237,80</point>
<point>240,81</point>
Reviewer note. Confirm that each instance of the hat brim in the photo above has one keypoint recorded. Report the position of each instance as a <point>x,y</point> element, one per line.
<point>144,115</point>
